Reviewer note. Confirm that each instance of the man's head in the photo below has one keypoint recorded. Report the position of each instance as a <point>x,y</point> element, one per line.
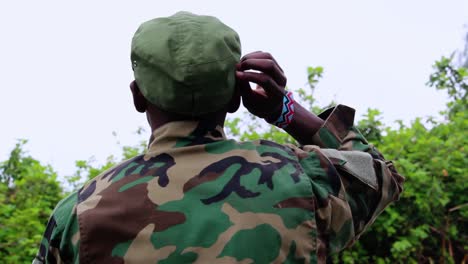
<point>184,65</point>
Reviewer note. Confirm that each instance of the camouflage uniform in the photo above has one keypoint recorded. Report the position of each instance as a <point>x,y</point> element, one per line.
<point>198,197</point>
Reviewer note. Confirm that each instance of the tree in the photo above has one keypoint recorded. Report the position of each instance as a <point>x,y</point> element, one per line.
<point>463,55</point>
<point>28,193</point>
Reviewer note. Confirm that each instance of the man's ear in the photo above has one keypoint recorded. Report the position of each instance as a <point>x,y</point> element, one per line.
<point>234,104</point>
<point>138,99</point>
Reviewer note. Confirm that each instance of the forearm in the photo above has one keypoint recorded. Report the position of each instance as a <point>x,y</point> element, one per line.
<point>303,125</point>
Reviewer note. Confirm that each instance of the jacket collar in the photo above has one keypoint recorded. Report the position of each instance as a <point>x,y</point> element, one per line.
<point>183,134</point>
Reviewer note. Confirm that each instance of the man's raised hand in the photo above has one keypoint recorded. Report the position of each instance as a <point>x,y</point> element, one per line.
<point>266,101</point>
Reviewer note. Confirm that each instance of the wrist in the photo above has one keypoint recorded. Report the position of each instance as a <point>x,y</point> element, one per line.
<point>304,125</point>
<point>274,115</point>
<point>284,115</point>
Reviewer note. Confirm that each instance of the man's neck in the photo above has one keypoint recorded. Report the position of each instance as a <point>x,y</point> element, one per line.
<point>157,118</point>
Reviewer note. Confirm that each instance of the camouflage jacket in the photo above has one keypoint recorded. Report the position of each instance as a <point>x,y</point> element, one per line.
<point>197,197</point>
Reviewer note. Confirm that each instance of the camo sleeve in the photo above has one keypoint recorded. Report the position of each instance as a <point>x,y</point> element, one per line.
<point>61,238</point>
<point>352,183</point>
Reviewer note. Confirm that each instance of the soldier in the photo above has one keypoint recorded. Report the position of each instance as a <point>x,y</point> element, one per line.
<point>196,196</point>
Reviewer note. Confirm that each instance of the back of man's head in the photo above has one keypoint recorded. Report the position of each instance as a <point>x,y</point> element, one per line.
<point>185,64</point>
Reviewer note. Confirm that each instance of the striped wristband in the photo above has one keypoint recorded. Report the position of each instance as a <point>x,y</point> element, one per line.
<point>287,113</point>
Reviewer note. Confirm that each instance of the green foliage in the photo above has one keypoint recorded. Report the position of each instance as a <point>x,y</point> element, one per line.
<point>87,169</point>
<point>454,81</point>
<point>28,193</point>
<point>306,96</point>
<point>371,125</point>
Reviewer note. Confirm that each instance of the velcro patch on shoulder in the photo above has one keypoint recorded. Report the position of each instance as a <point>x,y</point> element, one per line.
<point>357,163</point>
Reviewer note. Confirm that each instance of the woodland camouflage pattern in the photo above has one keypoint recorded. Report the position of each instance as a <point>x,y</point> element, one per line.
<point>196,197</point>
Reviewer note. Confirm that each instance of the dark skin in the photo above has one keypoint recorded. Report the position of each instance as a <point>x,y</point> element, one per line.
<point>265,101</point>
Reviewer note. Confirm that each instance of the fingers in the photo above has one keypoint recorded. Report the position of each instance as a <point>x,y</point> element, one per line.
<point>243,86</point>
<point>133,84</point>
<point>246,56</point>
<point>267,66</point>
<point>260,55</point>
<point>267,98</point>
<point>264,80</point>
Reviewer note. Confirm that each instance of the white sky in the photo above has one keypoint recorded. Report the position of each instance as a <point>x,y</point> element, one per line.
<point>65,67</point>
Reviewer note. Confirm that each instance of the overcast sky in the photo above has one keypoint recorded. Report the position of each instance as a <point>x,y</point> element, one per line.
<point>65,66</point>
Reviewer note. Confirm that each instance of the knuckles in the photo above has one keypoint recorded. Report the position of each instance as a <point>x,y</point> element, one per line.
<point>268,55</point>
<point>264,80</point>
<point>267,64</point>
<point>270,64</point>
<point>284,81</point>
